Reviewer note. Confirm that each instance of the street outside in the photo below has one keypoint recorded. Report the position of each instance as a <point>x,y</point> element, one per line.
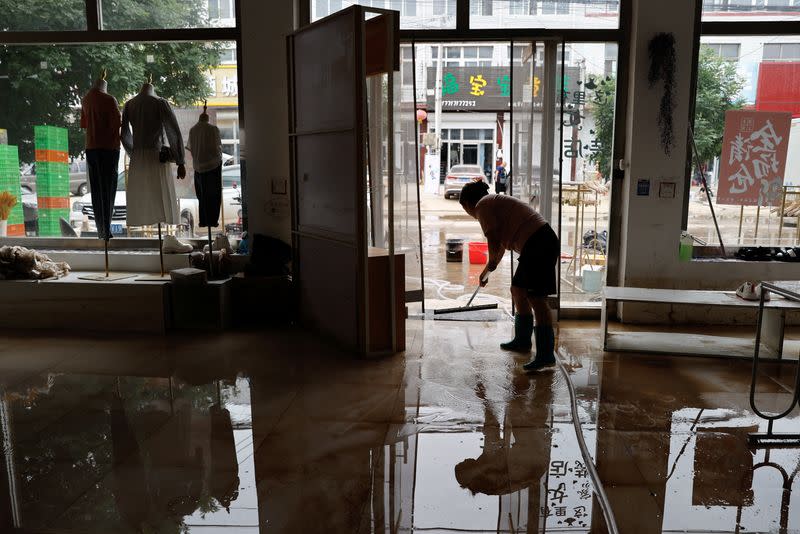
<point>444,219</point>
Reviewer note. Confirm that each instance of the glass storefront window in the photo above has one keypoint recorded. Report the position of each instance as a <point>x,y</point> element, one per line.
<point>583,14</point>
<point>46,86</point>
<point>761,77</point>
<point>156,14</point>
<point>750,10</point>
<point>42,15</point>
<point>414,14</point>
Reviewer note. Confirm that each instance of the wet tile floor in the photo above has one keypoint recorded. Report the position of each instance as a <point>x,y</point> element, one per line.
<point>277,432</point>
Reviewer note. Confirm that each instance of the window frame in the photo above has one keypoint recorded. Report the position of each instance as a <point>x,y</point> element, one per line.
<point>720,29</point>
<point>95,34</point>
<point>462,11</point>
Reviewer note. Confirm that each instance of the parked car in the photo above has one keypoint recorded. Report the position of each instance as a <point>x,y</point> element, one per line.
<point>78,181</point>
<point>189,207</point>
<point>460,175</point>
<point>231,212</point>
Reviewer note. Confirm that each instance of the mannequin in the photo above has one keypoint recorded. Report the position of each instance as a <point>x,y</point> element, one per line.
<point>101,119</point>
<point>151,196</point>
<point>206,148</point>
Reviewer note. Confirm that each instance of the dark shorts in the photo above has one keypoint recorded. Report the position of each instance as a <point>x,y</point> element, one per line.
<point>208,187</point>
<point>536,270</point>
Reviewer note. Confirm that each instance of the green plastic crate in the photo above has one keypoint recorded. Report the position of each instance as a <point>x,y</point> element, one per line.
<point>52,179</point>
<point>49,221</point>
<point>9,180</point>
<point>50,138</point>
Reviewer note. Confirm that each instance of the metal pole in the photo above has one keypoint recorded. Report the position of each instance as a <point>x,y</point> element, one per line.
<point>741,217</point>
<point>160,249</point>
<point>783,211</point>
<point>596,237</point>
<point>105,251</point>
<point>437,107</point>
<point>708,193</point>
<point>758,220</point>
<point>561,164</point>
<point>510,133</point>
<point>390,164</point>
<point>416,160</point>
<point>798,229</point>
<point>211,254</point>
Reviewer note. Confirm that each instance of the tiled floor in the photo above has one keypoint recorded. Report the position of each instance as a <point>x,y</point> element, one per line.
<point>276,432</point>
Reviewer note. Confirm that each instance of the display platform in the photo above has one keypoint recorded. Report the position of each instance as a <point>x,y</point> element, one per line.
<point>103,277</point>
<point>771,342</point>
<point>79,303</point>
<point>74,304</point>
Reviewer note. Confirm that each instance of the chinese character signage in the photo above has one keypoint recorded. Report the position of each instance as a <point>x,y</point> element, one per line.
<point>225,87</point>
<point>489,88</point>
<point>753,157</point>
<point>569,495</point>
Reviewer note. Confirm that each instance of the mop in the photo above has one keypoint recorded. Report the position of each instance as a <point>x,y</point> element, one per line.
<point>467,307</point>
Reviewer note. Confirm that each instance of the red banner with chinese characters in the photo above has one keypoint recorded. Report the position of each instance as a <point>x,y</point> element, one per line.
<point>753,157</point>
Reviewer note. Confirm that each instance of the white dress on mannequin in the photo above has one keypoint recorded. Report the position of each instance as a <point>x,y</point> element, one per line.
<point>150,195</point>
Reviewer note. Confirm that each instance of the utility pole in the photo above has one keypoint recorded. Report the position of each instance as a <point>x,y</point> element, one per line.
<point>438,98</point>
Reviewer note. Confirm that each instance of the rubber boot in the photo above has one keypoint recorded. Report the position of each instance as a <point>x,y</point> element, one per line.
<point>545,349</point>
<point>523,329</point>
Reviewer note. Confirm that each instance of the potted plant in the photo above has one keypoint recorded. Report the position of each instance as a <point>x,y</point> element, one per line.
<point>7,203</point>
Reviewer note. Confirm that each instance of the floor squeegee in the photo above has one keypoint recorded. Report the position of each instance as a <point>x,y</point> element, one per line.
<point>467,307</point>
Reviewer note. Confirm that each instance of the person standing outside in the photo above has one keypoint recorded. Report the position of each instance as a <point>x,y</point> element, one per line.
<point>500,177</point>
<point>510,224</point>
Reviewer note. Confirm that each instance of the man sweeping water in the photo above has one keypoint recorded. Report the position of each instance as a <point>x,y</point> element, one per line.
<point>510,224</point>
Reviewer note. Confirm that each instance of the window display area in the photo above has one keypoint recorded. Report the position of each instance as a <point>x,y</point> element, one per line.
<point>746,130</point>
<point>122,178</point>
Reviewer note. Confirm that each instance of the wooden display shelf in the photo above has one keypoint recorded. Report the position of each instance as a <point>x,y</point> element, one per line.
<point>772,342</point>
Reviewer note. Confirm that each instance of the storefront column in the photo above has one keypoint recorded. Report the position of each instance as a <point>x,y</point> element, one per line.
<point>651,225</point>
<point>265,131</point>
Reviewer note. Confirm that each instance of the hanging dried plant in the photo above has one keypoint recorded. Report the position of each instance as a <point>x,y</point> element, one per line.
<point>7,203</point>
<point>662,68</point>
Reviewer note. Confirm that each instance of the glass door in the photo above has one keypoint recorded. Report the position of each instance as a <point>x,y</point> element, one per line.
<point>470,154</point>
<point>533,106</point>
<point>534,73</point>
<point>563,101</point>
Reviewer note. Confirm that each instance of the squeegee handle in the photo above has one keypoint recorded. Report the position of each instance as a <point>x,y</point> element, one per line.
<point>475,293</point>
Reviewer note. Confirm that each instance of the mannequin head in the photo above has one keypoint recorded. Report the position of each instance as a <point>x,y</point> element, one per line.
<point>100,83</point>
<point>147,87</point>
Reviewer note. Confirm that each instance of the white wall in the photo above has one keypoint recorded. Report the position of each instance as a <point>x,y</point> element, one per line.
<point>265,26</point>
<point>651,225</point>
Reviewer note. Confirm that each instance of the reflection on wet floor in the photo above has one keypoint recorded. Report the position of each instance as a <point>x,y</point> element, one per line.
<point>276,432</point>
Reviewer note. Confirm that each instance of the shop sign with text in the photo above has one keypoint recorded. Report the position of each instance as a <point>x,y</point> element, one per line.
<point>489,88</point>
<point>753,158</point>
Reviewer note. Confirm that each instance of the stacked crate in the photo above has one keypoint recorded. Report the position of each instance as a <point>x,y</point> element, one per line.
<point>52,178</point>
<point>9,181</point>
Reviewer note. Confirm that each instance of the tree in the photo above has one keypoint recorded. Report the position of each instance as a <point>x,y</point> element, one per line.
<point>603,108</point>
<point>718,90</point>
<point>45,83</point>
